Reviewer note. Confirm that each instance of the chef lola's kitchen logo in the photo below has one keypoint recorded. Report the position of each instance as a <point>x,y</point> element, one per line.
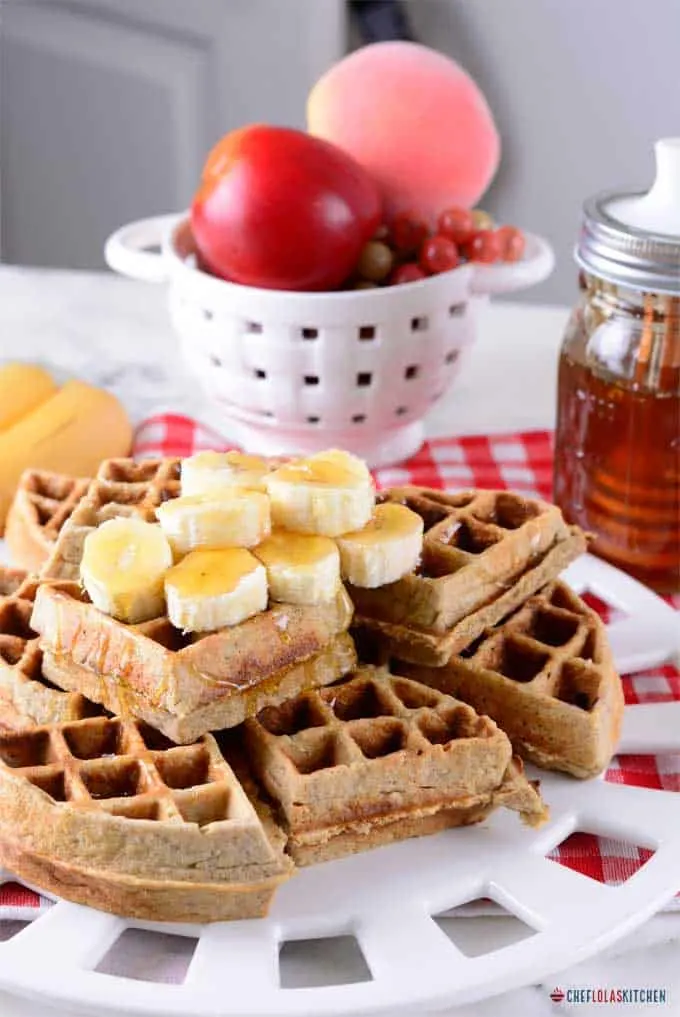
<point>609,994</point>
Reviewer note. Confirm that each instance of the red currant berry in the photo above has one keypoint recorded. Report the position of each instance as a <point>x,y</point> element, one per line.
<point>408,233</point>
<point>438,254</point>
<point>457,224</point>
<point>512,243</point>
<point>406,273</point>
<point>485,246</point>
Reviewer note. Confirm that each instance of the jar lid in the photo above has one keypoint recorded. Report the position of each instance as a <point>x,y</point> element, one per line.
<point>633,238</point>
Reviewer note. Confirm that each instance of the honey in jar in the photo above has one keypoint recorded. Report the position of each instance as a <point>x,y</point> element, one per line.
<point>617,443</point>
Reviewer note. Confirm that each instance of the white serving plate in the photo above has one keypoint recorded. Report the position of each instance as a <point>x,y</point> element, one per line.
<point>385,898</point>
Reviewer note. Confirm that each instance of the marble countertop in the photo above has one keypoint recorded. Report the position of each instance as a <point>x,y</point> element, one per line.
<point>115,333</point>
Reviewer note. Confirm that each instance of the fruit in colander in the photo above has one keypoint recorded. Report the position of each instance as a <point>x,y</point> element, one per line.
<point>415,120</point>
<point>280,209</point>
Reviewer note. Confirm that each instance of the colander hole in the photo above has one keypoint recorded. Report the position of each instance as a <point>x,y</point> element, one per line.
<point>364,379</point>
<point>456,310</point>
<point>207,314</point>
<point>313,420</point>
<point>366,332</point>
<point>358,418</point>
<point>311,379</point>
<point>412,371</point>
<point>401,410</point>
<point>451,356</point>
<point>419,324</point>
<point>309,333</point>
<point>253,327</point>
<point>259,373</point>
<point>215,361</point>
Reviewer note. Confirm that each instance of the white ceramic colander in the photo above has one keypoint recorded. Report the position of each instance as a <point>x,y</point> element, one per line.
<point>297,372</point>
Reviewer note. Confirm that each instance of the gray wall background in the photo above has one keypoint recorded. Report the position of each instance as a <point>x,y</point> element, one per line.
<point>580,90</point>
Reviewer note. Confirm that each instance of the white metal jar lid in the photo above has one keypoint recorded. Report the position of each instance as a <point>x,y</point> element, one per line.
<point>633,239</point>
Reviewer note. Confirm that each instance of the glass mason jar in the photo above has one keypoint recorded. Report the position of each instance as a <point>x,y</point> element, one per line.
<point>617,442</point>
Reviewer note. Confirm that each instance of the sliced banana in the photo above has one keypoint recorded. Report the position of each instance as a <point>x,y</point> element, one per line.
<point>123,565</point>
<point>301,569</point>
<point>214,471</point>
<point>383,551</point>
<point>326,494</point>
<point>230,518</point>
<point>216,588</point>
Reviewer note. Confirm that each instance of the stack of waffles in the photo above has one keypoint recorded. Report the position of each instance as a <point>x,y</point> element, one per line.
<point>485,618</point>
<point>176,770</point>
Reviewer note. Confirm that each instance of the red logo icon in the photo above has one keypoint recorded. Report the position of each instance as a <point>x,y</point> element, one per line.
<point>557,996</point>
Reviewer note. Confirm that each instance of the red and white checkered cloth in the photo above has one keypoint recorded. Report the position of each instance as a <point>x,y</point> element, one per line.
<point>519,461</point>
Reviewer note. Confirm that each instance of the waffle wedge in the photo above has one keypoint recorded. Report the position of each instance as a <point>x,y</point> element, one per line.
<point>27,697</point>
<point>122,487</point>
<point>106,813</point>
<point>42,504</point>
<point>377,759</point>
<point>546,676</point>
<point>184,685</point>
<point>484,554</point>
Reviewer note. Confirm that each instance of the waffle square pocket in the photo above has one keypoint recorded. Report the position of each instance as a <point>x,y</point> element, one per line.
<point>484,553</point>
<point>546,676</point>
<point>107,812</point>
<point>379,758</point>
<point>27,696</point>
<point>42,505</point>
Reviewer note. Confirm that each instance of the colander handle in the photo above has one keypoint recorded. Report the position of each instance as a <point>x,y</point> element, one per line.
<point>536,265</point>
<point>127,251</point>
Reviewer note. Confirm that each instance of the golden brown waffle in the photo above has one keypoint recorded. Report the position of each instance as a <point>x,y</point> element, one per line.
<point>122,487</point>
<point>379,758</point>
<point>107,813</point>
<point>42,504</point>
<point>484,553</point>
<point>27,696</point>
<point>547,677</point>
<point>186,685</point>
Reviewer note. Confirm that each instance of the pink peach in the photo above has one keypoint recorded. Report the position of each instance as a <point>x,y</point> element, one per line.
<point>415,120</point>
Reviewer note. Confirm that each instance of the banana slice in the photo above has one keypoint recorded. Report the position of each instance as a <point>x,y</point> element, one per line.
<point>327,494</point>
<point>123,565</point>
<point>213,589</point>
<point>230,518</point>
<point>301,569</point>
<point>214,471</point>
<point>384,550</point>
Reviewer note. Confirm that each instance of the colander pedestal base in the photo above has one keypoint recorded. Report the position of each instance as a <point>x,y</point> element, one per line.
<point>391,447</point>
